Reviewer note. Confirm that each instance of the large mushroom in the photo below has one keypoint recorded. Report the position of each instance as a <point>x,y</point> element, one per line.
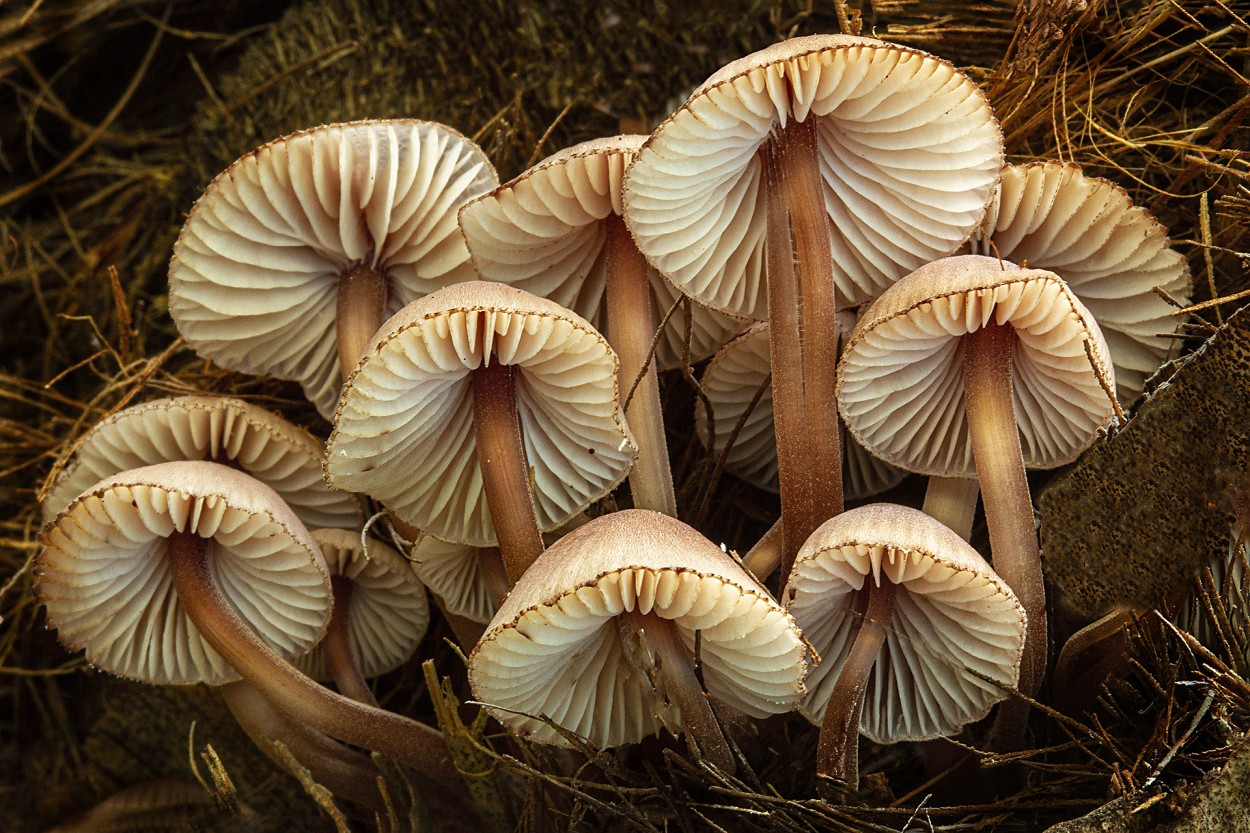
<point>468,399</point>
<point>821,162</point>
<point>297,252</point>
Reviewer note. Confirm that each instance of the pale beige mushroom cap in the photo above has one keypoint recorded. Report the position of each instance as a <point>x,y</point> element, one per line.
<point>909,153</point>
<point>554,648</point>
<point>261,443</point>
<point>544,232</point>
<point>453,572</point>
<point>954,643</point>
<point>731,380</point>
<point>1111,253</point>
<point>900,380</point>
<point>253,284</point>
<point>388,613</point>
<point>103,575</point>
<point>404,428</point>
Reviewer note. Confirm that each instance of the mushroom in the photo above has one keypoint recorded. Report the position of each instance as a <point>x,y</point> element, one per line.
<point>599,637</point>
<point>297,252</point>
<point>971,366</point>
<point>192,572</point>
<point>380,614</point>
<point>917,635</point>
<point>214,428</point>
<point>468,396</point>
<point>1114,256</point>
<point>820,161</point>
<point>556,231</point>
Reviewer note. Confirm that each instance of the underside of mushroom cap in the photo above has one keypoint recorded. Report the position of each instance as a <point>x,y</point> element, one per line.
<point>255,273</point>
<point>103,574</point>
<point>730,381</point>
<point>453,572</point>
<point>909,152</point>
<point>404,428</point>
<point>900,380</point>
<point>1112,254</point>
<point>544,232</point>
<point>280,455</point>
<point>554,649</point>
<point>388,613</point>
<point>956,638</point>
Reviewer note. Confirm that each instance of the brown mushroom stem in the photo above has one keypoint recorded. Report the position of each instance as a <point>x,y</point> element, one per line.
<point>818,330</point>
<point>337,646</point>
<point>505,471</point>
<point>342,770</point>
<point>467,631</point>
<point>952,501</point>
<point>785,356</point>
<point>999,460</point>
<point>674,664</point>
<point>837,751</point>
<point>303,700</point>
<point>490,563</point>
<point>631,328</point>
<point>763,558</point>
<point>361,312</point>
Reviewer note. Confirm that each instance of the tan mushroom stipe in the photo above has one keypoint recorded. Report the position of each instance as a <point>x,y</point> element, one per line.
<point>1112,255</point>
<point>821,162</point>
<point>404,432</point>
<point>555,649</point>
<point>104,578</point>
<point>217,429</point>
<point>387,612</point>
<point>296,253</point>
<point>951,646</point>
<point>731,381</point>
<point>192,572</point>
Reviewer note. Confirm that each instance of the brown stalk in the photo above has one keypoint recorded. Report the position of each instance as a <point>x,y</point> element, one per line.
<point>337,646</point>
<point>361,312</point>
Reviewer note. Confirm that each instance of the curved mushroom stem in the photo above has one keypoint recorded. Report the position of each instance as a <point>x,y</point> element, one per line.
<point>837,751</point>
<point>361,312</point>
<point>666,655</point>
<point>631,327</point>
<point>505,471</point>
<point>337,646</point>
<point>490,563</point>
<point>953,502</point>
<point>763,558</point>
<point>407,741</point>
<point>340,769</point>
<point>996,449</point>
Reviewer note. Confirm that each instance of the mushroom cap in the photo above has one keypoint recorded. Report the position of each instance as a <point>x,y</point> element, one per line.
<point>253,284</point>
<point>388,614</point>
<point>404,429</point>
<point>1111,253</point>
<point>730,382</point>
<point>900,381</point>
<point>909,152</point>
<point>261,443</point>
<point>544,232</point>
<point>554,649</point>
<point>103,575</point>
<point>954,619</point>
<point>453,572</point>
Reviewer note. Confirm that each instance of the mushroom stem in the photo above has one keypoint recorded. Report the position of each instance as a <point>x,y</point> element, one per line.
<point>837,751</point>
<point>407,741</point>
<point>818,330</point>
<point>490,563</point>
<point>337,646</point>
<point>667,654</point>
<point>505,471</point>
<point>763,558</point>
<point>952,501</point>
<point>785,356</point>
<point>631,327</point>
<point>361,312</point>
<point>999,460</point>
<point>342,770</point>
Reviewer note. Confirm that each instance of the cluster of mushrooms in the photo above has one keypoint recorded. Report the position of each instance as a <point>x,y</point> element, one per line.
<point>829,220</point>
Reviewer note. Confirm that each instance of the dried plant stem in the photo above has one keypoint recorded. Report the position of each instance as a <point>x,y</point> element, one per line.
<point>630,329</point>
<point>505,472</point>
<point>837,753</point>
